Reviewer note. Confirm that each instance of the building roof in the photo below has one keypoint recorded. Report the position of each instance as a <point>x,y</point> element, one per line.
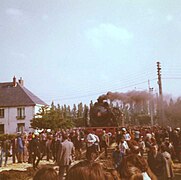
<point>17,95</point>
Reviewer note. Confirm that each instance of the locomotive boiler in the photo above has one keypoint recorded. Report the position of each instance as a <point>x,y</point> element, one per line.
<point>103,115</point>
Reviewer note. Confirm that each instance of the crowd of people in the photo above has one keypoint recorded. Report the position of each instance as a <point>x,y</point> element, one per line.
<point>139,152</point>
<point>34,146</point>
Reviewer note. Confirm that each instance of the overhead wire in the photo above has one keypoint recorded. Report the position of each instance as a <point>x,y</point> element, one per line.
<point>171,78</point>
<point>99,93</point>
<point>128,83</point>
<point>106,84</point>
<point>132,75</point>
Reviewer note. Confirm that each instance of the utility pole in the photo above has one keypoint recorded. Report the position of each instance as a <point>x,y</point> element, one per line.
<point>151,102</point>
<point>161,112</point>
<point>159,78</point>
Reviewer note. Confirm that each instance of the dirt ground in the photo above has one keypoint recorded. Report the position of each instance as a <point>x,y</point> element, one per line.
<point>16,174</point>
<point>23,171</point>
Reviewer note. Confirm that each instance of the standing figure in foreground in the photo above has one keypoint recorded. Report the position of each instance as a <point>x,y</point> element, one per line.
<point>65,155</point>
<point>36,153</point>
<point>20,148</point>
<point>156,162</point>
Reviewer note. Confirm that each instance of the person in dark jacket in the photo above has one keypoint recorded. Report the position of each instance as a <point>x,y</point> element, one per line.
<point>14,148</point>
<point>35,149</point>
<point>117,158</point>
<point>156,162</point>
<point>5,150</point>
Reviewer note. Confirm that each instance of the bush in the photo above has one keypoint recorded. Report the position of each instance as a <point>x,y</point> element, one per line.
<point>8,136</point>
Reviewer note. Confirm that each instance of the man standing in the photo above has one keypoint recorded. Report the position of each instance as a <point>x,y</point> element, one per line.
<point>20,148</point>
<point>35,150</point>
<point>5,148</point>
<point>156,162</point>
<point>105,142</point>
<point>65,155</point>
<point>90,145</point>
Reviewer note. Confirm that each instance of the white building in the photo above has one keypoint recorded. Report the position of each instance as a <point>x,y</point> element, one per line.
<point>17,107</point>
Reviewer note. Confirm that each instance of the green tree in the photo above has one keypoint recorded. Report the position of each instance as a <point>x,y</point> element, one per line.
<point>74,111</point>
<point>80,110</point>
<point>52,118</point>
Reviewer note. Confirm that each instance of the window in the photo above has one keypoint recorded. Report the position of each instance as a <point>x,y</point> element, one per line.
<point>1,128</point>
<point>20,113</point>
<point>1,113</point>
<point>20,127</point>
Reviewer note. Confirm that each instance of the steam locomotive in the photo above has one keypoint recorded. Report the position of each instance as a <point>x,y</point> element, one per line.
<point>103,115</point>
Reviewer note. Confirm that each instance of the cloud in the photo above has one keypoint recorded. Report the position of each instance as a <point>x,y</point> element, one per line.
<point>108,32</point>
<point>13,12</point>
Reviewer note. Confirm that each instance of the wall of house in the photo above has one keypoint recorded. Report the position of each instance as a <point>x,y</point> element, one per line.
<point>10,120</point>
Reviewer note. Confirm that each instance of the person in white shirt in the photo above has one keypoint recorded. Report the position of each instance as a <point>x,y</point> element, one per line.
<point>97,142</point>
<point>90,145</point>
<point>123,146</point>
<point>126,134</point>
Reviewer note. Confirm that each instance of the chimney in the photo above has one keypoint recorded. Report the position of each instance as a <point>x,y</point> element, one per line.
<point>14,81</point>
<point>21,82</point>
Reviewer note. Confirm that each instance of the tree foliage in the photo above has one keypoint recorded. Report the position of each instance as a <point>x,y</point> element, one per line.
<point>55,117</point>
<point>173,112</point>
<point>64,116</point>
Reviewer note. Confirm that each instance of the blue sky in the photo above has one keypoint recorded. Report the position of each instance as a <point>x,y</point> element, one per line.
<point>72,51</point>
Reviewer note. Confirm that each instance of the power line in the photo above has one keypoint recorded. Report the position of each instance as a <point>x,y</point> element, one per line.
<point>111,88</point>
<point>172,78</point>
<point>113,85</point>
<point>99,93</point>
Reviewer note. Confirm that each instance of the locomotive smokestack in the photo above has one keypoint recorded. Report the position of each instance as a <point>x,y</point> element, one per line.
<point>102,98</point>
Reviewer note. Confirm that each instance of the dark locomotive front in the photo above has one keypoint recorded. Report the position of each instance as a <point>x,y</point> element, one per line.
<point>102,115</point>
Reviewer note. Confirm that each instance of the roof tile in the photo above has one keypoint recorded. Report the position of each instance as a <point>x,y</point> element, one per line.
<point>11,96</point>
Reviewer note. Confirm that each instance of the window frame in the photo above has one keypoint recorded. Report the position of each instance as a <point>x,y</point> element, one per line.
<point>1,128</point>
<point>20,127</point>
<point>2,112</point>
<point>20,113</point>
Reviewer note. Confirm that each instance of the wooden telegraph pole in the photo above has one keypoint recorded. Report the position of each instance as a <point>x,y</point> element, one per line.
<point>160,104</point>
<point>151,103</point>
